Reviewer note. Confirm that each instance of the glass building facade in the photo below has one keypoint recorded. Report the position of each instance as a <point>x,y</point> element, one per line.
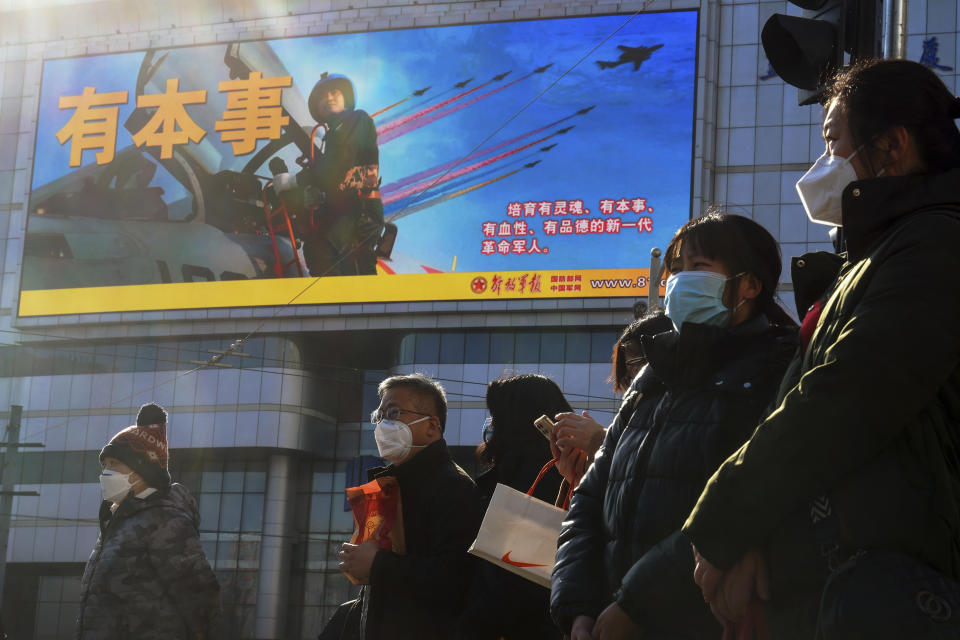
<point>285,414</point>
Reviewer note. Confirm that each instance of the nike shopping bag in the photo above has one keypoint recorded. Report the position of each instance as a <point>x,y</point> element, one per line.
<point>519,533</point>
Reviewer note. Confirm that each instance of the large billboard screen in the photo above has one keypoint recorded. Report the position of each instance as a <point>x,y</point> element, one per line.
<point>531,159</point>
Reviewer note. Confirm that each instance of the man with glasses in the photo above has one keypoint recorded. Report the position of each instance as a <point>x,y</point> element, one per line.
<point>418,595</point>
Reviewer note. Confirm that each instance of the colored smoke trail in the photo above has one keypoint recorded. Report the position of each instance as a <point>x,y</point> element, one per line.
<point>393,124</point>
<point>403,193</point>
<point>387,108</point>
<point>456,194</point>
<point>421,175</point>
<point>460,183</point>
<point>386,135</point>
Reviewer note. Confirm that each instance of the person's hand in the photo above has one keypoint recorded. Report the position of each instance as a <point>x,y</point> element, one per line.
<point>614,624</point>
<point>580,431</point>
<point>745,582</point>
<point>707,576</point>
<point>571,464</point>
<point>358,559</point>
<point>754,625</point>
<point>729,592</point>
<point>582,628</point>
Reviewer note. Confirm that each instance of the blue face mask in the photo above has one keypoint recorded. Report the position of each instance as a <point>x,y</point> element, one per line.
<point>697,296</point>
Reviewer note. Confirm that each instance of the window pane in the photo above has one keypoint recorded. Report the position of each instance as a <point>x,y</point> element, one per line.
<point>451,348</point>
<point>73,466</point>
<point>578,347</point>
<point>233,477</point>
<point>52,466</point>
<point>209,511</point>
<point>230,510</point>
<point>527,348</point>
<point>212,480</point>
<point>227,550</point>
<point>501,348</point>
<point>601,344</point>
<point>320,512</point>
<point>477,347</point>
<point>428,347</point>
<point>252,512</point>
<point>256,477</point>
<point>406,349</point>
<point>551,346</point>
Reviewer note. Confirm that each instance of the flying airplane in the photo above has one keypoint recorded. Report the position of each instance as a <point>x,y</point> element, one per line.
<point>636,55</point>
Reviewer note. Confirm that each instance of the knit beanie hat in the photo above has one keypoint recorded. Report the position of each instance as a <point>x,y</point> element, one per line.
<point>143,446</point>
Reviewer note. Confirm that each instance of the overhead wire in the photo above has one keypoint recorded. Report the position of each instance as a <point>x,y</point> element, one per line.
<point>294,368</point>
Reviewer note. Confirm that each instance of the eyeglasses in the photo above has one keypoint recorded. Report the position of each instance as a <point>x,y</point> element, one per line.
<point>392,413</point>
<point>635,362</point>
<point>487,428</point>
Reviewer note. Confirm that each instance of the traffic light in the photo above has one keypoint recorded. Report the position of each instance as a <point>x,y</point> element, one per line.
<point>805,51</point>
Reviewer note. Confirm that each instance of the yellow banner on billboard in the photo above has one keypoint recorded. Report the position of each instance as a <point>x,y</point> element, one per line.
<point>492,285</point>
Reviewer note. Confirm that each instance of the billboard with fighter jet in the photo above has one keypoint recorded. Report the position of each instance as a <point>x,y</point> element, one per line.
<point>526,159</point>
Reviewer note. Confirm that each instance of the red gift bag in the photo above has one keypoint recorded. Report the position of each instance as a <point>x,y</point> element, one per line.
<point>377,515</point>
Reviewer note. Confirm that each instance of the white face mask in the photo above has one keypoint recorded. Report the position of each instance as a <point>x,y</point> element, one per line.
<point>114,485</point>
<point>821,188</point>
<point>395,439</point>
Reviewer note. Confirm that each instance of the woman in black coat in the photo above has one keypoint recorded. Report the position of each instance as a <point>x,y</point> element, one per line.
<point>623,567</point>
<point>504,605</point>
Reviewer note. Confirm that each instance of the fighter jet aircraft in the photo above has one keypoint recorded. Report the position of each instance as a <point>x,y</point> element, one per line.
<point>636,55</point>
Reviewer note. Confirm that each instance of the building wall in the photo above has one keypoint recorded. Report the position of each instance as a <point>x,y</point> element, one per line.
<point>308,378</point>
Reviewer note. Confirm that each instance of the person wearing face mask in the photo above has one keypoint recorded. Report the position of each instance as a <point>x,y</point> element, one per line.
<point>147,576</point>
<point>420,594</point>
<point>623,567</point>
<point>860,456</point>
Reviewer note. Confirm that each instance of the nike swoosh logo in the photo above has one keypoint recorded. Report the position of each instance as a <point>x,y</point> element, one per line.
<point>506,558</point>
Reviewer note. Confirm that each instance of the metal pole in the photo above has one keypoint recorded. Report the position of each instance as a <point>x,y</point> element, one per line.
<point>895,28</point>
<point>6,496</point>
<point>653,281</point>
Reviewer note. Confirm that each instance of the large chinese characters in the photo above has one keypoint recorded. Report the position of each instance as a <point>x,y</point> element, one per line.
<point>253,112</point>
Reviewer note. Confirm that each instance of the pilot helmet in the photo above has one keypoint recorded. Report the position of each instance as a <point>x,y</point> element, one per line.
<point>326,83</point>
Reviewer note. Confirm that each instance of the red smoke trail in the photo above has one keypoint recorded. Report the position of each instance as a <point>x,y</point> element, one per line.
<point>399,130</point>
<point>409,191</point>
<point>420,175</point>
<point>393,124</point>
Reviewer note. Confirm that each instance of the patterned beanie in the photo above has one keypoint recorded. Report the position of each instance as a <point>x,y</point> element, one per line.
<point>143,446</point>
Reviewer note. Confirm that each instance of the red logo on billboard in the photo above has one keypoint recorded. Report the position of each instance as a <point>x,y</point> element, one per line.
<point>479,284</point>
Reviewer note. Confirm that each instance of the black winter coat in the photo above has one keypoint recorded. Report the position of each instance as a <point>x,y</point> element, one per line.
<point>420,595</point>
<point>700,397</point>
<point>502,604</point>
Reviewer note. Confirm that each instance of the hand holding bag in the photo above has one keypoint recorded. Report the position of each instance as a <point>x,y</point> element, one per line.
<point>377,515</point>
<point>519,533</point>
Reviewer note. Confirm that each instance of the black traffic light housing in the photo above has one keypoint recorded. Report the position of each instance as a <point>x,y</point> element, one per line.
<point>806,51</point>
